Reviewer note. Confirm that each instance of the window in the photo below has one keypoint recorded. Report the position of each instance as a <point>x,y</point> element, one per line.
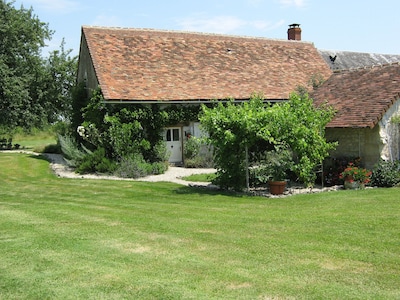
<point>172,135</point>
<point>175,134</point>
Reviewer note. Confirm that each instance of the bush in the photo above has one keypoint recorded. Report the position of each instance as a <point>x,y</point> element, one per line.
<point>197,154</point>
<point>72,153</point>
<point>386,173</point>
<point>334,166</point>
<point>96,162</point>
<point>135,166</point>
<point>52,148</point>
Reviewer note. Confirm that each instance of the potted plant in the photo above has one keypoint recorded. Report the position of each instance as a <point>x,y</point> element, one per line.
<point>277,163</point>
<point>355,177</point>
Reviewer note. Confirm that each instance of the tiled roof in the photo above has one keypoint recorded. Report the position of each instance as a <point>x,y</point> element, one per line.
<point>342,60</point>
<point>360,96</point>
<point>152,65</point>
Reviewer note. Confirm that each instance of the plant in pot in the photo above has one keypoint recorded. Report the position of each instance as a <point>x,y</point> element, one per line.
<point>355,177</point>
<point>277,163</point>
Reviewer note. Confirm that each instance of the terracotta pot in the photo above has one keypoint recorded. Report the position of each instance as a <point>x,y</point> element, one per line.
<point>277,187</point>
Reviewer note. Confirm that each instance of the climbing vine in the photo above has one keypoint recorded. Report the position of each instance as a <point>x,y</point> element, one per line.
<point>124,130</point>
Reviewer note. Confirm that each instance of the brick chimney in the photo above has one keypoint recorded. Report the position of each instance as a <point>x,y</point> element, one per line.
<point>294,32</point>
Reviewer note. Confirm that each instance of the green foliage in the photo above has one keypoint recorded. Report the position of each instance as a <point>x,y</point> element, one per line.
<point>386,173</point>
<point>125,137</point>
<point>131,135</point>
<point>301,126</point>
<point>80,99</point>
<point>334,166</point>
<point>33,91</point>
<point>197,154</point>
<point>58,84</point>
<point>95,162</point>
<point>72,153</point>
<point>52,148</point>
<point>395,120</point>
<point>135,166</point>
<point>296,123</point>
<point>191,147</point>
<point>177,114</point>
<point>275,164</point>
<point>231,129</point>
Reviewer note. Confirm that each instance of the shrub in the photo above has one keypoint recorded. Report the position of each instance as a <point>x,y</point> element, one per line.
<point>160,152</point>
<point>386,173</point>
<point>334,166</point>
<point>233,129</point>
<point>191,147</point>
<point>52,148</point>
<point>197,154</point>
<point>353,173</point>
<point>135,166</point>
<point>96,162</point>
<point>72,153</point>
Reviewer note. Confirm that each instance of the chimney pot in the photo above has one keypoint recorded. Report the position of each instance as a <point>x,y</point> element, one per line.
<point>294,32</point>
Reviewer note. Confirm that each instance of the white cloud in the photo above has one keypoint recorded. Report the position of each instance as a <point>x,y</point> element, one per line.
<point>223,24</point>
<point>297,3</point>
<point>59,6</point>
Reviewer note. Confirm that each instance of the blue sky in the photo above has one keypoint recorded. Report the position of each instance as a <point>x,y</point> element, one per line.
<point>361,26</point>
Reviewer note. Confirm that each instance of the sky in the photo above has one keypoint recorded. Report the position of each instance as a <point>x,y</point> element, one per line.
<point>340,25</point>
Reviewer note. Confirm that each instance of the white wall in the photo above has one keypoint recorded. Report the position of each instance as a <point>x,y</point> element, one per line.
<point>389,133</point>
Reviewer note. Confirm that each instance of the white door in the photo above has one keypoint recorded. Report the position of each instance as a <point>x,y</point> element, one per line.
<point>173,138</point>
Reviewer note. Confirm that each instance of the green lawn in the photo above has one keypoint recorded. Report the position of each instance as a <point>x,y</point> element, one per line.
<point>35,141</point>
<point>97,239</point>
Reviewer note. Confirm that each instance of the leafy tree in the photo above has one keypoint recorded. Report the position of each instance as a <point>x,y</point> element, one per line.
<point>33,91</point>
<point>60,72</point>
<point>301,125</point>
<point>234,129</point>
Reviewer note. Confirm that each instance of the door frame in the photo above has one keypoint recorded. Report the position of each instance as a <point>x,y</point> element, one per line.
<point>174,143</point>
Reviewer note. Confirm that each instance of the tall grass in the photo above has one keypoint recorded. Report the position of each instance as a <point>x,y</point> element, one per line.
<point>97,239</point>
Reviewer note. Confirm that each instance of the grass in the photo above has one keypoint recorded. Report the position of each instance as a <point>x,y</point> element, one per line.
<point>96,239</point>
<point>200,177</point>
<point>36,141</point>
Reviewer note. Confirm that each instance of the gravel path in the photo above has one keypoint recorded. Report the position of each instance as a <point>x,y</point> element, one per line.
<point>173,174</point>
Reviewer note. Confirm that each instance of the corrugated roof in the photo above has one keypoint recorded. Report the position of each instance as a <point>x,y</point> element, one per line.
<point>153,65</point>
<point>361,96</point>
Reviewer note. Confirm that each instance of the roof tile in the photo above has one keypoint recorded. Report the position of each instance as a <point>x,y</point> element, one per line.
<point>143,64</point>
<point>360,96</point>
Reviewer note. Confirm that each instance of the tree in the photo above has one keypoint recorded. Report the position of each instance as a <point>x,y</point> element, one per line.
<point>233,129</point>
<point>33,91</point>
<point>301,125</point>
<point>59,81</point>
<point>296,124</point>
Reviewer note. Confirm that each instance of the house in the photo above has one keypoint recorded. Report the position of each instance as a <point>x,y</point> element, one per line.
<point>143,66</point>
<point>367,101</point>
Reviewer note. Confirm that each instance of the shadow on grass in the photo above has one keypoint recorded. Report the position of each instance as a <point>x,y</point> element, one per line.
<point>187,190</point>
<point>40,157</point>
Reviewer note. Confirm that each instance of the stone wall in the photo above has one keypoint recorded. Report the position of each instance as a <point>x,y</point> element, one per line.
<point>382,141</point>
<point>356,142</point>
